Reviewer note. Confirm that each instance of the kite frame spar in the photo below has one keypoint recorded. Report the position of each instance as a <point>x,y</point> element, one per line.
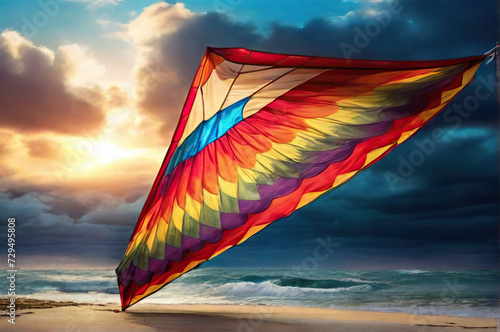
<point>249,57</point>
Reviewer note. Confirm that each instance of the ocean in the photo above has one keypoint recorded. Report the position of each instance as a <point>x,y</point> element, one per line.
<point>456,293</point>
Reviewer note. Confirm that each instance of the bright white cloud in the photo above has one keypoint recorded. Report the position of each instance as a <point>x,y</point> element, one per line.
<point>17,48</point>
<point>156,21</point>
<point>79,64</point>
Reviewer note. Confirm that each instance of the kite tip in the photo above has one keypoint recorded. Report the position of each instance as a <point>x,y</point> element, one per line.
<point>492,53</point>
<point>493,49</point>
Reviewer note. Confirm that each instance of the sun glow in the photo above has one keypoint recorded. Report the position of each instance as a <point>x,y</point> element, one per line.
<point>107,152</point>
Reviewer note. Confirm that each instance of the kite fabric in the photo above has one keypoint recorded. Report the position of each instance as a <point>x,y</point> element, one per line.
<point>263,134</point>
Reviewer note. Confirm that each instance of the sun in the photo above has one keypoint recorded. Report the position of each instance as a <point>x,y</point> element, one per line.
<point>106,152</point>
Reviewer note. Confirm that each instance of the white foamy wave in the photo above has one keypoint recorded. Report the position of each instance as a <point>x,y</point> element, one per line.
<point>355,280</point>
<point>412,271</point>
<point>267,288</point>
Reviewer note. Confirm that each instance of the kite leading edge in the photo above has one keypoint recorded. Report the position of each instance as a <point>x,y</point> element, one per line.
<point>260,136</point>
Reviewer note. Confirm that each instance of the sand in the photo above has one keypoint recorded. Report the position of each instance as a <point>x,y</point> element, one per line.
<point>39,315</point>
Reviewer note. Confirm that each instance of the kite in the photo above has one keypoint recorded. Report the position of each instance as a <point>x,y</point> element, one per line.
<point>262,135</point>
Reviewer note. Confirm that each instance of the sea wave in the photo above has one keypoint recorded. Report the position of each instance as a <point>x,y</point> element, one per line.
<point>411,271</point>
<point>321,283</point>
<point>269,288</point>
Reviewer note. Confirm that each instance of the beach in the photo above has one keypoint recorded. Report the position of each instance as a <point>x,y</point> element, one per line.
<point>247,300</point>
<point>42,315</point>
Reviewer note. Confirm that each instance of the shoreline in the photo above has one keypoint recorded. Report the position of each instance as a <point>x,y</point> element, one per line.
<point>41,315</point>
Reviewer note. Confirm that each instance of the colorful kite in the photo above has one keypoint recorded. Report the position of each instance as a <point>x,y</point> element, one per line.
<point>260,136</point>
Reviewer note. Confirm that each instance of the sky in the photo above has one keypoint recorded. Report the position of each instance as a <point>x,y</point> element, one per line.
<point>91,91</point>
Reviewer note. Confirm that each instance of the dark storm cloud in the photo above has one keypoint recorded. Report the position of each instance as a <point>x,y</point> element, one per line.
<point>56,215</point>
<point>414,30</point>
<point>42,228</point>
<point>122,213</point>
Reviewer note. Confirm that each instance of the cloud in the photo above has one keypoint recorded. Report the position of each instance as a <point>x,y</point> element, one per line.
<point>121,213</point>
<point>43,148</point>
<point>77,64</point>
<point>124,180</point>
<point>26,207</point>
<point>41,219</point>
<point>116,97</point>
<point>7,142</point>
<point>414,30</point>
<point>156,21</point>
<point>34,94</point>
